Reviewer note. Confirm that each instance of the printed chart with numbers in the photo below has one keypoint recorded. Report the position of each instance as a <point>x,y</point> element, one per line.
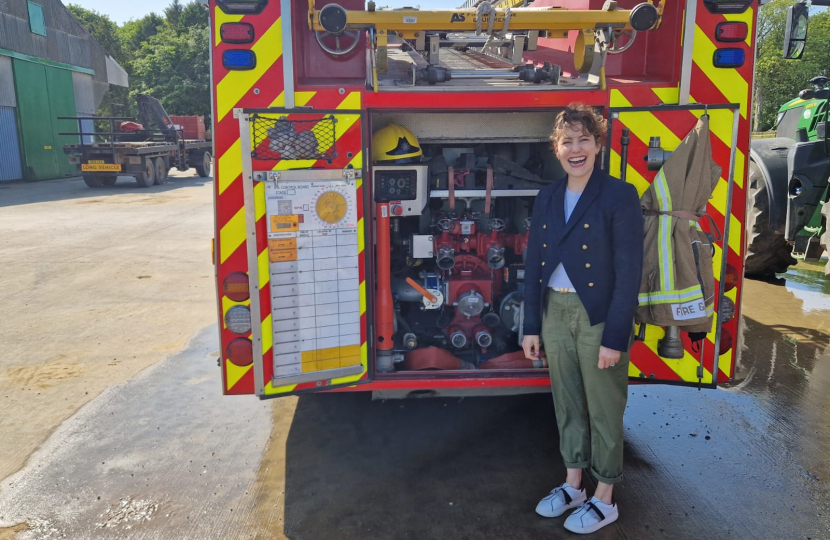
<point>313,259</point>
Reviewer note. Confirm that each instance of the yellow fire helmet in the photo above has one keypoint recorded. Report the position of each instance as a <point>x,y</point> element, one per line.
<point>395,144</point>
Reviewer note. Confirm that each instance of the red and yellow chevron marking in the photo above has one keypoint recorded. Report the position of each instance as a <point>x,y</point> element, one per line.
<point>709,85</point>
<point>232,232</point>
<point>238,89</point>
<point>672,127</point>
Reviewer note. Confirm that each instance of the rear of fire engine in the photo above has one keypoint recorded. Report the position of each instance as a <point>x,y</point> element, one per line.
<point>376,171</point>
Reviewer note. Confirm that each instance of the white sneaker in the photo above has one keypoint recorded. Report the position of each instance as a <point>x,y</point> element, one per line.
<point>592,516</point>
<point>560,500</point>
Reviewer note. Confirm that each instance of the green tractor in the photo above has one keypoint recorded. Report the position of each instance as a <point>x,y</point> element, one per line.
<point>787,214</point>
<point>788,186</point>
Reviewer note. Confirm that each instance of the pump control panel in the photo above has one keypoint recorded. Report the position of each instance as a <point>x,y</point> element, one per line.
<point>404,186</point>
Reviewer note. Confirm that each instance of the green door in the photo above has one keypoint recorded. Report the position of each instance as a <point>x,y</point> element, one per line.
<point>42,94</point>
<point>62,103</point>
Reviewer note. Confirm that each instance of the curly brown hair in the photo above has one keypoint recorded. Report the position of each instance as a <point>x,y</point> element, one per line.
<point>580,114</point>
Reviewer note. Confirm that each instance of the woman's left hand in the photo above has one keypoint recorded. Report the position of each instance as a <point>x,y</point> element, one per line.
<point>608,357</point>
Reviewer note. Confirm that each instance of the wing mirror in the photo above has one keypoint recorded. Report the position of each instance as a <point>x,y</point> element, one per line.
<point>795,33</point>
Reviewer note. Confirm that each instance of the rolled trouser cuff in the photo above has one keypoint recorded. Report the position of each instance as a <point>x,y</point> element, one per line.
<point>606,479</point>
<point>577,465</point>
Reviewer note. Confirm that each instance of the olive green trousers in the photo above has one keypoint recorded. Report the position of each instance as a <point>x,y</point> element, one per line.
<point>589,402</point>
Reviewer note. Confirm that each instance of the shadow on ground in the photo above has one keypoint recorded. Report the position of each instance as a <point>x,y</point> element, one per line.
<point>19,193</point>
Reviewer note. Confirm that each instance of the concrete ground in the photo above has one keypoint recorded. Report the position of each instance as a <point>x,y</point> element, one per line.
<point>95,446</point>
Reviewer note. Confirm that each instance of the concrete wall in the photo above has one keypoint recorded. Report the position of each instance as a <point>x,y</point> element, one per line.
<point>66,40</point>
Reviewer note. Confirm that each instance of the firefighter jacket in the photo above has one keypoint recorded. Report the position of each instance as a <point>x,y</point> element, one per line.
<point>678,284</point>
<point>601,248</point>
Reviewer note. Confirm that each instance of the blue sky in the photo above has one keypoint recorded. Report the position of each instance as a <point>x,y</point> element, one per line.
<point>122,11</point>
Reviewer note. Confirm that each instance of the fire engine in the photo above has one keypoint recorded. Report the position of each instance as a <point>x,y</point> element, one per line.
<point>376,170</point>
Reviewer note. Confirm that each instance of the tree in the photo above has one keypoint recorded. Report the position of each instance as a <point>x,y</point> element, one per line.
<point>101,28</point>
<point>174,68</point>
<point>135,33</point>
<point>192,15</point>
<point>173,12</point>
<point>777,80</point>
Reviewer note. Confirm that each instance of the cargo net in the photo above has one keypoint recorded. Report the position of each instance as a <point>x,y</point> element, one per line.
<point>282,138</point>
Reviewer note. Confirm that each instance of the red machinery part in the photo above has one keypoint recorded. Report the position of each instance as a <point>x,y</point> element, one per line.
<point>384,308</point>
<point>471,273</point>
<point>432,358</point>
<point>514,360</point>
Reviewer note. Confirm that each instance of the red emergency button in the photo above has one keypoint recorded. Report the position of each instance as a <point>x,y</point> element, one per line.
<point>397,210</point>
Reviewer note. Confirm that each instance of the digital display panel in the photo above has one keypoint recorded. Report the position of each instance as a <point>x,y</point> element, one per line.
<point>401,185</point>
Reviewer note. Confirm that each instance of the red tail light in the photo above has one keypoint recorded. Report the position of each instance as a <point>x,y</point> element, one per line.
<point>730,281</point>
<point>237,33</point>
<point>235,287</point>
<point>731,32</point>
<point>726,341</point>
<point>241,352</point>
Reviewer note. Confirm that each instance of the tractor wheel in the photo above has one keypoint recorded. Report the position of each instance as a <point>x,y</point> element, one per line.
<point>203,166</point>
<point>93,181</point>
<point>825,238</point>
<point>767,253</point>
<point>109,180</point>
<point>161,171</point>
<point>148,177</point>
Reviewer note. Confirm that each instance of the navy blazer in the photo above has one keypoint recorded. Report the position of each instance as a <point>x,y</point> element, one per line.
<point>601,248</point>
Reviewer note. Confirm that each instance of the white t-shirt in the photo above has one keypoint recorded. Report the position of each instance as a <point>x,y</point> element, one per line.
<point>559,278</point>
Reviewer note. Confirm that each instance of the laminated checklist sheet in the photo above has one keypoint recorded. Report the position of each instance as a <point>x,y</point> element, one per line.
<point>315,280</point>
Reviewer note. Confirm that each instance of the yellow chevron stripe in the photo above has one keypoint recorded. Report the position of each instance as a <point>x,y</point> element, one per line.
<point>718,200</point>
<point>220,17</point>
<point>267,329</point>
<point>686,367</point>
<point>234,373</point>
<point>747,17</point>
<point>271,390</point>
<point>259,200</point>
<point>362,297</point>
<point>232,235</point>
<point>351,103</point>
<point>230,166</point>
<point>357,163</point>
<point>668,95</point>
<point>731,84</point>
<point>720,125</point>
<point>360,242</point>
<point>301,99</point>
<point>617,99</point>
<point>633,371</point>
<point>264,269</point>
<point>235,84</point>
<point>644,124</point>
<point>632,176</point>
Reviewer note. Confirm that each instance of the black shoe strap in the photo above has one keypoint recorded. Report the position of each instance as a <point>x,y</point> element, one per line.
<point>595,509</point>
<point>567,497</point>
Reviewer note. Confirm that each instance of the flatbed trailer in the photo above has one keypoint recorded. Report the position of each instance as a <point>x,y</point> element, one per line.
<point>145,154</point>
<point>147,161</point>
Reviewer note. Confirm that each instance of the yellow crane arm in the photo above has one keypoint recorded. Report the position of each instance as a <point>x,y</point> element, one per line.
<point>406,23</point>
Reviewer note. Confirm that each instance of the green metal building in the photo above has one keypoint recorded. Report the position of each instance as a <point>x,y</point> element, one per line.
<point>49,67</point>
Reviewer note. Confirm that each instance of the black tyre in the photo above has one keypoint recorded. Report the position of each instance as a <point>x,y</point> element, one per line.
<point>825,238</point>
<point>93,181</point>
<point>161,171</point>
<point>203,167</point>
<point>109,180</point>
<point>148,177</point>
<point>767,253</point>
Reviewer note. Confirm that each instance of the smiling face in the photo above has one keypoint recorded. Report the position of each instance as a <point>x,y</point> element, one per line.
<point>577,151</point>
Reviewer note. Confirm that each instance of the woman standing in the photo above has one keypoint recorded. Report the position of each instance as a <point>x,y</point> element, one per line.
<point>582,277</point>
